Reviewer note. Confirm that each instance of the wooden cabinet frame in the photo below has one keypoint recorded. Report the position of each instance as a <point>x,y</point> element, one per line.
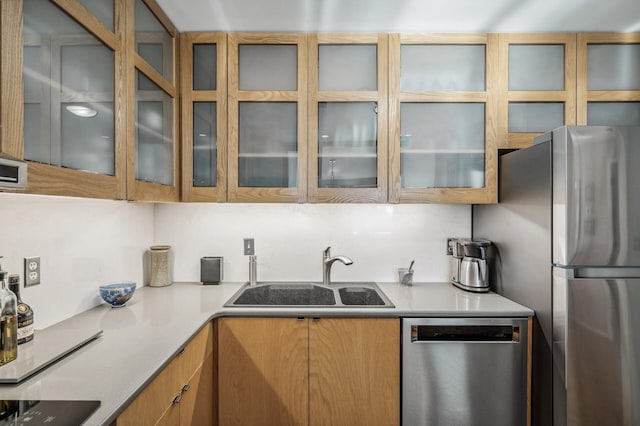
<point>380,97</point>
<point>55,180</point>
<point>316,371</point>
<point>139,190</point>
<point>584,95</point>
<point>11,108</point>
<point>487,194</point>
<point>261,194</point>
<point>567,96</point>
<point>189,96</point>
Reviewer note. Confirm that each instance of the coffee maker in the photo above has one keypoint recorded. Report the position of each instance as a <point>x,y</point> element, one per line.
<point>468,263</point>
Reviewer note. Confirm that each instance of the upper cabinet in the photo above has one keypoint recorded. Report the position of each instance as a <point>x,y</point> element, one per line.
<point>11,110</point>
<point>72,62</point>
<point>537,86</point>
<point>97,90</point>
<point>267,116</point>
<point>152,122</point>
<point>443,118</point>
<point>608,79</point>
<point>204,116</point>
<point>94,100</point>
<point>348,113</point>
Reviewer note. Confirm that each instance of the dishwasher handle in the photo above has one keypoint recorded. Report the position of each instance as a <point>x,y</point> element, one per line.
<point>465,333</point>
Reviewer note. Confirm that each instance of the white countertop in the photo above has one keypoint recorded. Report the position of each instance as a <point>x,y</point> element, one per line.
<point>139,339</point>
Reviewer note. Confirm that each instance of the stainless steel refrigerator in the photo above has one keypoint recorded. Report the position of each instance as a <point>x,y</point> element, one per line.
<point>567,244</point>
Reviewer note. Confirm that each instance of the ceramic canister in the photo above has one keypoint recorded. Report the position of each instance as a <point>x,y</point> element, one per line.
<point>160,266</point>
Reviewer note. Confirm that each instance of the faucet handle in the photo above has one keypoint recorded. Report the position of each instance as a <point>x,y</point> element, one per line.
<point>327,252</point>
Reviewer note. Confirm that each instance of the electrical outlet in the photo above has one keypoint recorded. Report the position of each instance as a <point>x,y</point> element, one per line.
<point>249,248</point>
<point>32,274</point>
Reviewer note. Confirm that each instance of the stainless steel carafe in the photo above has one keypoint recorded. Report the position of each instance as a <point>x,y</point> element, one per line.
<point>469,269</point>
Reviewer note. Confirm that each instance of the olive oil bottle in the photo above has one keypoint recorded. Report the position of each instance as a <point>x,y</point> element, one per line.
<point>8,322</point>
<point>25,313</point>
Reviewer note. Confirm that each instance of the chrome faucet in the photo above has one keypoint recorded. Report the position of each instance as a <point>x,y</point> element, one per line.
<point>327,262</point>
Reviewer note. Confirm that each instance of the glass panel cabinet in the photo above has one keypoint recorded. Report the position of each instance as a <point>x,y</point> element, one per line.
<point>609,90</point>
<point>153,120</point>
<point>204,116</point>
<point>443,126</point>
<point>537,86</point>
<point>348,110</point>
<point>267,118</point>
<point>71,100</point>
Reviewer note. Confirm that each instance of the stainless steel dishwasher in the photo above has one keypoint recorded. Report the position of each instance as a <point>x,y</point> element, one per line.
<point>464,371</point>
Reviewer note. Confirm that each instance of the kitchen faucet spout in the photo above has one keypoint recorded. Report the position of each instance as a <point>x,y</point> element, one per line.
<point>328,261</point>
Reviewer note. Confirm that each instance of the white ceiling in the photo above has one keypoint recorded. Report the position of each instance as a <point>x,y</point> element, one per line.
<point>430,16</point>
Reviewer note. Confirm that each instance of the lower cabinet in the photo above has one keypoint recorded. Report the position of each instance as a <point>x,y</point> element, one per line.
<point>301,371</point>
<point>183,393</point>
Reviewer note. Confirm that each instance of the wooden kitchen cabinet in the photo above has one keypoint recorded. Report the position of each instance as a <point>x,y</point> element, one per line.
<point>151,46</point>
<point>347,135</point>
<point>183,393</point>
<point>443,118</point>
<point>11,109</point>
<point>537,86</point>
<point>267,117</point>
<point>354,371</point>
<point>204,116</point>
<point>299,371</point>
<point>71,101</point>
<point>608,91</point>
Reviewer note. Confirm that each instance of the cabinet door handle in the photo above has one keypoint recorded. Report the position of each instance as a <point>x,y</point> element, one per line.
<point>177,399</point>
<point>185,388</point>
<point>183,350</point>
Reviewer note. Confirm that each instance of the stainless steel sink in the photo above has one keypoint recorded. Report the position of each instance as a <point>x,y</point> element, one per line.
<point>306,294</point>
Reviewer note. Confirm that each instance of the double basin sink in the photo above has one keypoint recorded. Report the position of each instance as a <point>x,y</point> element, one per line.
<point>306,294</point>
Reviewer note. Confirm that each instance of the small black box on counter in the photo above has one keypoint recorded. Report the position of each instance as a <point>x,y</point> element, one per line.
<point>211,270</point>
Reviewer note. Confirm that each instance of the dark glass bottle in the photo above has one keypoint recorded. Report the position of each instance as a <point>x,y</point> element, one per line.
<point>25,313</point>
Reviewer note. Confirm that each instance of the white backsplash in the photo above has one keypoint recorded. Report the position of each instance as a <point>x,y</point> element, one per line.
<point>82,243</point>
<point>289,238</point>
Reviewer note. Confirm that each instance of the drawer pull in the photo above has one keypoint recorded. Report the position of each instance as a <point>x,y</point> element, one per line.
<point>182,351</point>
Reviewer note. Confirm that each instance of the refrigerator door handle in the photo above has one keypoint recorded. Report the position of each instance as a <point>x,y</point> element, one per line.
<point>571,273</point>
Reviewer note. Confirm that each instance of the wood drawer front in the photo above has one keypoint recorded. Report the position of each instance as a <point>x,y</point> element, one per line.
<point>194,354</point>
<point>154,400</point>
<point>197,406</point>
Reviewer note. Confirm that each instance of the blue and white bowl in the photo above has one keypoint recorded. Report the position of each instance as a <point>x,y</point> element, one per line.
<point>117,294</point>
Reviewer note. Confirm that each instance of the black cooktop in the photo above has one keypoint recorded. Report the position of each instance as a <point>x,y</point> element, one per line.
<point>31,413</point>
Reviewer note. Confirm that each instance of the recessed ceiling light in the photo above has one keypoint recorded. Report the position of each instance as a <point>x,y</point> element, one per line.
<point>81,111</point>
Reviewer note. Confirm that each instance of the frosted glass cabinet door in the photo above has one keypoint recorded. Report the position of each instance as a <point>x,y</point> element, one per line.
<point>536,67</point>
<point>347,145</point>
<point>613,113</point>
<point>154,133</point>
<point>442,145</point>
<point>268,67</point>
<point>535,117</point>
<point>348,67</point>
<point>613,67</point>
<point>153,42</point>
<point>101,9</point>
<point>267,144</point>
<point>205,147</point>
<point>204,66</point>
<point>68,92</point>
<point>442,67</point>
